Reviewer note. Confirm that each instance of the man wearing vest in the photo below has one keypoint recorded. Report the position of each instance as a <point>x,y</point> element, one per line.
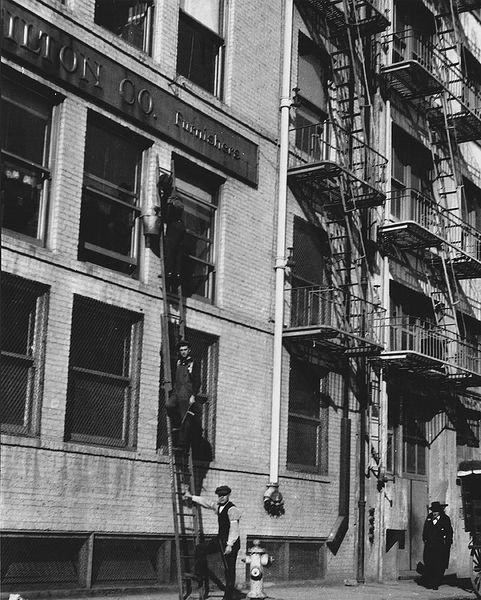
<point>227,541</point>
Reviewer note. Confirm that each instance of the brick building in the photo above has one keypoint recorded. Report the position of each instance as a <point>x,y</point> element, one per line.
<point>378,385</point>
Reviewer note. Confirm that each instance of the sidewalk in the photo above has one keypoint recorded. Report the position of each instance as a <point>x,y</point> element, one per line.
<point>393,590</point>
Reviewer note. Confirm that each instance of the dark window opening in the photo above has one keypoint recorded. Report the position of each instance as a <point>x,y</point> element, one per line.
<point>25,143</point>
<point>414,438</point>
<point>103,374</point>
<point>308,418</point>
<point>205,351</point>
<point>130,20</point>
<point>23,317</point>
<point>200,52</point>
<point>110,198</point>
<point>198,190</point>
<point>312,95</point>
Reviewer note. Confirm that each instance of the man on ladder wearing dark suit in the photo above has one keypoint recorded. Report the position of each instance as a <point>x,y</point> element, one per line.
<point>227,542</point>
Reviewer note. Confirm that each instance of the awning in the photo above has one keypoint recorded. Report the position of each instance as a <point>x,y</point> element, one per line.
<point>469,467</point>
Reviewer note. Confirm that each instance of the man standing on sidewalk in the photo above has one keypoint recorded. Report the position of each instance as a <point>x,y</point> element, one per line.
<point>227,542</point>
<point>437,538</point>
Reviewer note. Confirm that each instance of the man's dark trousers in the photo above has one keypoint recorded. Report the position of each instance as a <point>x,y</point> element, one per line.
<point>214,546</point>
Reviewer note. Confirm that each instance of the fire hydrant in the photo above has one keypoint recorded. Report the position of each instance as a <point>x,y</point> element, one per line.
<point>257,558</point>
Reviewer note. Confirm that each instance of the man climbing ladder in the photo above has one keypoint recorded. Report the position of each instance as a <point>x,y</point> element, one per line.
<point>182,408</point>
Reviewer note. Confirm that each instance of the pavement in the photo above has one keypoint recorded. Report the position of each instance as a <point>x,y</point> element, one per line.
<point>348,590</point>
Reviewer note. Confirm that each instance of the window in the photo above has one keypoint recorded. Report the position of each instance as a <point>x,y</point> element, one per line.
<point>414,27</point>
<point>111,197</point>
<point>205,351</point>
<point>103,374</point>
<point>312,84</point>
<point>415,444</point>
<point>76,560</point>
<point>25,142</point>
<point>130,20</point>
<point>307,429</point>
<point>199,192</point>
<point>471,89</point>
<point>308,304</point>
<point>23,317</point>
<point>471,206</point>
<point>297,559</point>
<point>467,446</point>
<point>201,43</point>
<point>411,176</point>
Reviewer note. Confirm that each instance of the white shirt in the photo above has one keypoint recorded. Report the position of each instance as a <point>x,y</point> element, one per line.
<point>233,514</point>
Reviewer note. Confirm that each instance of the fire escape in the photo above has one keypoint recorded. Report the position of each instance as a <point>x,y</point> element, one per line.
<point>425,72</point>
<point>337,176</point>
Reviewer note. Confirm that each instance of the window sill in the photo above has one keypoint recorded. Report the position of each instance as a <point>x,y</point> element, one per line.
<point>80,448</point>
<point>290,473</point>
<point>184,83</point>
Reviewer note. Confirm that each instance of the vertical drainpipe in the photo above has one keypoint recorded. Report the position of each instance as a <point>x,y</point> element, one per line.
<point>273,502</point>
<point>383,417</point>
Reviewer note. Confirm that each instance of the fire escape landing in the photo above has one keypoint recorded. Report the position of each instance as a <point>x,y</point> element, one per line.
<point>332,319</point>
<point>334,169</point>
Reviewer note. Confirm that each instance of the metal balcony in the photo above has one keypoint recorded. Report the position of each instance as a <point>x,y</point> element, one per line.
<point>417,69</point>
<point>464,109</point>
<point>421,347</point>
<point>464,247</point>
<point>467,5</point>
<point>368,16</point>
<point>333,320</point>
<point>333,169</point>
<point>417,222</point>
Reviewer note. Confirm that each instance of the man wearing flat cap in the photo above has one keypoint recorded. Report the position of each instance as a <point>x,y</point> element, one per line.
<point>437,538</point>
<point>227,542</point>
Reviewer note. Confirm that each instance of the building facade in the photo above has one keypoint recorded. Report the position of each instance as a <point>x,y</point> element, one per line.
<point>381,321</point>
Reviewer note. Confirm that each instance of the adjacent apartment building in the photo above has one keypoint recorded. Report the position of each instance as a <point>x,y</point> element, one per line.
<point>381,314</point>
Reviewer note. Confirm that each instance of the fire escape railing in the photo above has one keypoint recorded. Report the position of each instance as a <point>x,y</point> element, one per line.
<point>410,334</point>
<point>369,16</point>
<point>333,313</point>
<point>329,150</point>
<point>411,205</point>
<point>418,222</point>
<point>417,68</point>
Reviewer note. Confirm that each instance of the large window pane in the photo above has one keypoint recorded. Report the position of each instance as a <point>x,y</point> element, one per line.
<point>130,20</point>
<point>98,406</point>
<point>302,442</point>
<point>24,138</point>
<point>103,371</point>
<point>110,200</point>
<point>15,385</point>
<point>22,312</point>
<point>198,191</point>
<point>207,12</point>
<point>307,427</point>
<point>199,54</point>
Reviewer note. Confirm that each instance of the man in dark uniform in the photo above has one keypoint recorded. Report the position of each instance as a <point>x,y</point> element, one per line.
<point>227,541</point>
<point>181,403</point>
<point>437,538</point>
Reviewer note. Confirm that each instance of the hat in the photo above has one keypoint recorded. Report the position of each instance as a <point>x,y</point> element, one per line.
<point>223,490</point>
<point>437,506</point>
<point>183,343</point>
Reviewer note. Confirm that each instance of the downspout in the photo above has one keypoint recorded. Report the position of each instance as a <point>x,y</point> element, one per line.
<point>385,340</point>
<point>273,502</point>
